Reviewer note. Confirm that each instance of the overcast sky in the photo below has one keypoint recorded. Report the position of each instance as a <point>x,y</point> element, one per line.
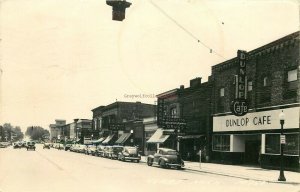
<point>62,58</point>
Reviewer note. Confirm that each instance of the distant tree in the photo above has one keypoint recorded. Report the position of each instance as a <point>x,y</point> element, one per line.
<point>36,132</point>
<point>9,132</point>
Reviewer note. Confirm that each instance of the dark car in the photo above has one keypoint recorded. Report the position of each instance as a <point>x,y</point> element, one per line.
<point>129,153</point>
<point>166,158</point>
<point>30,145</point>
<point>46,146</point>
<point>114,151</point>
<point>17,145</point>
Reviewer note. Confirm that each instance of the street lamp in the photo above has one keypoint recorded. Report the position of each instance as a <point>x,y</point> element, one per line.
<point>131,140</point>
<point>282,141</point>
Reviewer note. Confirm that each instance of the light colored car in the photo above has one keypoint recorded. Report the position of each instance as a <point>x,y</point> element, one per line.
<point>100,151</point>
<point>91,150</point>
<point>129,153</point>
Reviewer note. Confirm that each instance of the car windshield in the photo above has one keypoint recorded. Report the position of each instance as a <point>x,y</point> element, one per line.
<point>118,148</point>
<point>172,153</point>
<point>131,150</point>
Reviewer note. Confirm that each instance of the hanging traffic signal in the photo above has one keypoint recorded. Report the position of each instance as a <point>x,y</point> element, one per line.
<point>119,7</point>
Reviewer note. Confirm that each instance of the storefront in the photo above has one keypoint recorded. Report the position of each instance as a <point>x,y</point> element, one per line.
<point>159,139</point>
<point>190,145</point>
<point>255,138</point>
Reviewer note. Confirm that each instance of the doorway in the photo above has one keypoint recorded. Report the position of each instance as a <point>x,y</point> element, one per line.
<point>252,151</point>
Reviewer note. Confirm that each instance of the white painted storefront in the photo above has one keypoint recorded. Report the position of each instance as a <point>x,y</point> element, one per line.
<point>231,133</point>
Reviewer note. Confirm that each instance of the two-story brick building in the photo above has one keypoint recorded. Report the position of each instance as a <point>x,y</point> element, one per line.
<point>272,86</point>
<point>122,119</point>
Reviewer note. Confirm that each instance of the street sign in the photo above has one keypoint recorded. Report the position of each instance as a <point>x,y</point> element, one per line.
<point>282,139</point>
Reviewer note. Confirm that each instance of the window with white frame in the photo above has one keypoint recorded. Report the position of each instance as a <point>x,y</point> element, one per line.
<point>250,85</point>
<point>265,83</point>
<point>221,142</point>
<point>292,75</point>
<point>222,92</point>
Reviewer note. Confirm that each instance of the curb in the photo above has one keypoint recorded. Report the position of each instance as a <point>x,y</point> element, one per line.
<point>236,176</point>
<point>241,177</point>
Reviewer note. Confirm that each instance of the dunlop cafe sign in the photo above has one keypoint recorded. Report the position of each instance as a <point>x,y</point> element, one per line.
<point>239,105</point>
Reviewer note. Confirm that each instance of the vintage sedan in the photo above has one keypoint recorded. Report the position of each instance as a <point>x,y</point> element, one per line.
<point>113,151</point>
<point>166,158</point>
<point>46,146</point>
<point>30,145</point>
<point>100,151</point>
<point>91,150</point>
<point>129,153</point>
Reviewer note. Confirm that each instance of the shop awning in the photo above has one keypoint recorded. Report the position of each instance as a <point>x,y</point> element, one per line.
<point>191,136</point>
<point>98,141</point>
<point>158,136</point>
<point>108,139</point>
<point>124,137</point>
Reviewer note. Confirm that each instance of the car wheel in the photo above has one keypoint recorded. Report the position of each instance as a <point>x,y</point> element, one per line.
<point>162,164</point>
<point>137,161</point>
<point>149,162</point>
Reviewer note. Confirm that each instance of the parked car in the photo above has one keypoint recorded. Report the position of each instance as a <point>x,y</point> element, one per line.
<point>4,144</point>
<point>46,146</point>
<point>106,151</point>
<point>17,145</point>
<point>129,153</point>
<point>166,158</point>
<point>114,151</point>
<point>100,151</point>
<point>30,145</point>
<point>81,148</point>
<point>91,150</point>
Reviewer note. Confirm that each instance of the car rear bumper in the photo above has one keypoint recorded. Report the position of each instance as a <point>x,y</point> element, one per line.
<point>174,165</point>
<point>132,158</point>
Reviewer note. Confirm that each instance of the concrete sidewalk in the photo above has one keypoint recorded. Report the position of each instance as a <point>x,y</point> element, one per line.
<point>242,172</point>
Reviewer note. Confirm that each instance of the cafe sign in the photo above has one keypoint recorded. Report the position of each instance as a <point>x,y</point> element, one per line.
<point>265,120</point>
<point>239,106</point>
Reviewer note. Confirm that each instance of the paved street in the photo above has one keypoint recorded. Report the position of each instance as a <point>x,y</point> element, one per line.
<point>53,170</point>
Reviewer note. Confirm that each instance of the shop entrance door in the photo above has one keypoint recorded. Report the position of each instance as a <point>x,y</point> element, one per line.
<point>252,151</point>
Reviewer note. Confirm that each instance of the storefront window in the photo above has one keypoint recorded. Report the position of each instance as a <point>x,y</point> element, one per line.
<point>221,142</point>
<point>292,144</point>
<point>272,143</point>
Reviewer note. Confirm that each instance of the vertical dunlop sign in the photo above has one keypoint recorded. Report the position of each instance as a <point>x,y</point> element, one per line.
<point>239,106</point>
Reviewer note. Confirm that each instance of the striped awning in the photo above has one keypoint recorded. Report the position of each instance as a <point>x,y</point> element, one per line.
<point>98,141</point>
<point>158,137</point>
<point>108,139</point>
<point>124,137</point>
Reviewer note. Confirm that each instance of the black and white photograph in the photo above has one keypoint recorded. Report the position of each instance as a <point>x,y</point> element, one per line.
<point>149,95</point>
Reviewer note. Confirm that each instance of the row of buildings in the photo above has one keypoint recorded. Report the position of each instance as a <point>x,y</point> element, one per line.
<point>199,117</point>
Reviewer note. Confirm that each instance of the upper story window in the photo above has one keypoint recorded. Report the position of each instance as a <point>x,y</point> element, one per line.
<point>173,112</point>
<point>291,84</point>
<point>292,75</point>
<point>266,81</point>
<point>250,85</point>
<point>222,92</point>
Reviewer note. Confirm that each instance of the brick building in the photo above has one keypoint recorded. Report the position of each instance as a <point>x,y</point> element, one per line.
<point>167,106</point>
<point>122,119</point>
<point>195,107</point>
<point>273,85</point>
<point>56,130</point>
